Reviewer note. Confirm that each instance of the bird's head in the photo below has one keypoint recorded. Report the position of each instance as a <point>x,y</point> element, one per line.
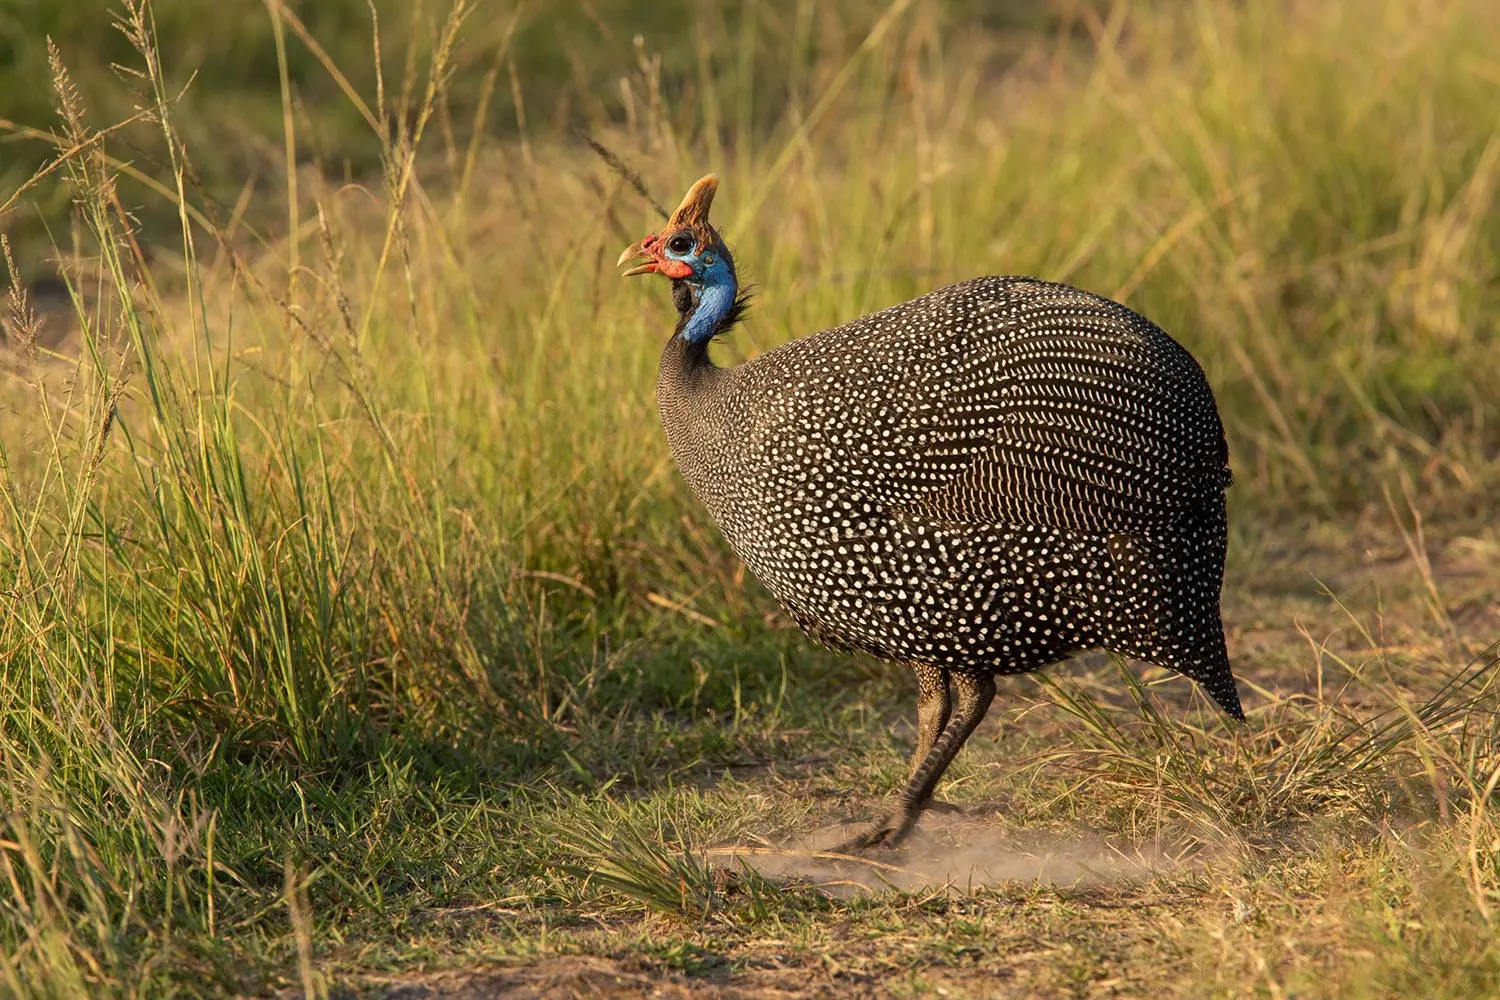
<point>690,252</point>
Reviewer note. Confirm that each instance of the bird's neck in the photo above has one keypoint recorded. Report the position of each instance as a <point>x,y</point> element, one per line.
<point>706,306</point>
<point>685,371</point>
<point>695,412</point>
<point>712,308</point>
<point>692,392</point>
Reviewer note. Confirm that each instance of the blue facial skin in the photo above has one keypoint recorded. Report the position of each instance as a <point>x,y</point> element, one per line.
<point>714,285</point>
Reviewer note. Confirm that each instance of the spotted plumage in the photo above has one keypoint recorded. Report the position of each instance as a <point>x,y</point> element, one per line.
<point>984,480</point>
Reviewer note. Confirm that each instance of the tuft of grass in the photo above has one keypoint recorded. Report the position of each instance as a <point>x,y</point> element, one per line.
<point>1244,789</point>
<point>644,853</point>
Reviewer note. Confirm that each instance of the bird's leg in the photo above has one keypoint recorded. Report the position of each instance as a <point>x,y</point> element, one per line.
<point>934,705</point>
<point>974,697</point>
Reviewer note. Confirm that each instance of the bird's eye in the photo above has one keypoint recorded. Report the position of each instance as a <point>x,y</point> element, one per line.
<point>681,243</point>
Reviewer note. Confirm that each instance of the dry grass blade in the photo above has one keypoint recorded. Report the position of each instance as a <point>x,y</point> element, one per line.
<point>620,167</point>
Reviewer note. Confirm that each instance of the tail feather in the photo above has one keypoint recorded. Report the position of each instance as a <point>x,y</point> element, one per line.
<point>1209,667</point>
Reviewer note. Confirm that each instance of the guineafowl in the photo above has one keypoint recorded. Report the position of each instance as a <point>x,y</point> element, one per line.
<point>984,480</point>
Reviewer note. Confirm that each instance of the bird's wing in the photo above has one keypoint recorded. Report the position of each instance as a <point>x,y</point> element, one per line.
<point>1016,401</point>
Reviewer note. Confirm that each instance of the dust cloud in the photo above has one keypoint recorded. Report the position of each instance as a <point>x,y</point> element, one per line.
<point>965,855</point>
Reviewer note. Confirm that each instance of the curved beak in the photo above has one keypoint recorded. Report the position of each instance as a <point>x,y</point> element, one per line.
<point>638,251</point>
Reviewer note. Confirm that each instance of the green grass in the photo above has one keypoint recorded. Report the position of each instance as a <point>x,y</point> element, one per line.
<point>358,630</point>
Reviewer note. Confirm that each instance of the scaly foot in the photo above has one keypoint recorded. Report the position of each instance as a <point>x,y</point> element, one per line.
<point>889,832</point>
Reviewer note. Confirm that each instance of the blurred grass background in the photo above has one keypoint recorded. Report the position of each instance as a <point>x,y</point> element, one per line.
<point>225,69</point>
<point>341,551</point>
